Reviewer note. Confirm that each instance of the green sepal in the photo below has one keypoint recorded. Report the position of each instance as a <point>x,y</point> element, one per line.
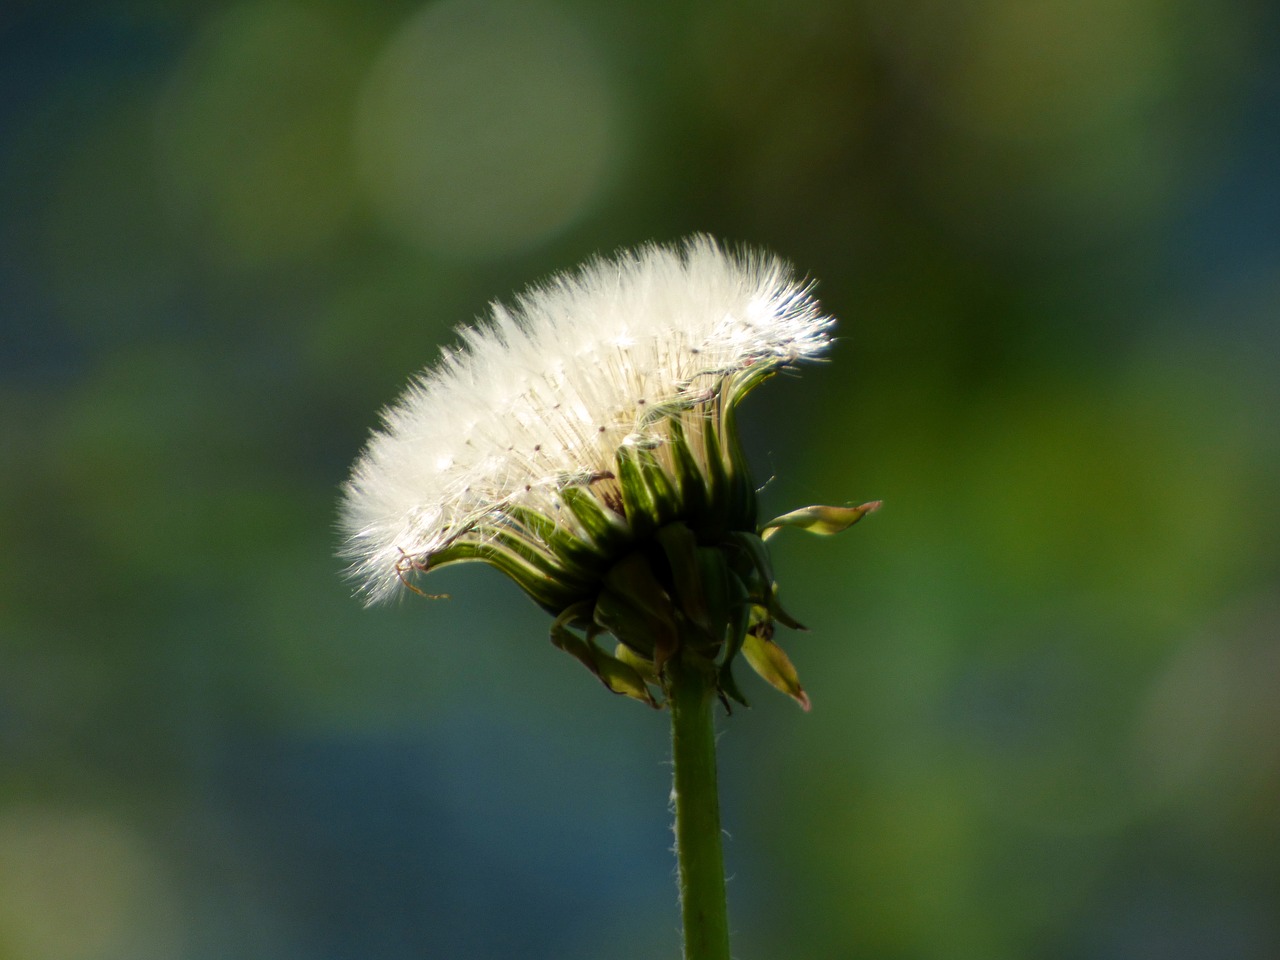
<point>743,381</point>
<point>537,556</point>
<point>575,554</point>
<point>776,611</point>
<point>820,520</point>
<point>637,498</point>
<point>602,525</point>
<point>739,623</point>
<point>717,479</point>
<point>550,593</point>
<point>633,607</point>
<point>663,491</point>
<point>613,614</point>
<point>728,687</point>
<point>616,675</point>
<point>681,549</point>
<point>741,489</point>
<point>693,485</point>
<point>768,660</point>
<point>637,663</point>
<point>714,576</point>
<point>753,557</point>
<point>758,573</point>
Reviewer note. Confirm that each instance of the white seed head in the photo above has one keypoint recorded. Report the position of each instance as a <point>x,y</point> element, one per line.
<point>542,394</point>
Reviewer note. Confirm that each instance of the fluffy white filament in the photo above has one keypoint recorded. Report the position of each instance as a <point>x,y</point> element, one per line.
<point>542,394</point>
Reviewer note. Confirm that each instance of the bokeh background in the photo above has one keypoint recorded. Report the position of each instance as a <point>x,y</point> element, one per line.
<point>1045,677</point>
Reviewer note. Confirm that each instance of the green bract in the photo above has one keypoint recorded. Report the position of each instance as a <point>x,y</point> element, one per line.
<point>663,554</point>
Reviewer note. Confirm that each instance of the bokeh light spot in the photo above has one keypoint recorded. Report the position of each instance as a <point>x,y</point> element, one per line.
<point>486,126</point>
<point>252,138</point>
<point>1056,71</point>
<point>75,885</point>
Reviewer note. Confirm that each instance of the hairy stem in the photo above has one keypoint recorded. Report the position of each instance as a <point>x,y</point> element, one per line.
<point>690,689</point>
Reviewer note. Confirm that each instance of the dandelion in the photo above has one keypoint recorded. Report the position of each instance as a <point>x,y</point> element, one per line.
<point>583,441</point>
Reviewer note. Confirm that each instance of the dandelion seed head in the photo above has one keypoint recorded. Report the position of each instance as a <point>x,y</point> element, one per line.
<point>540,395</point>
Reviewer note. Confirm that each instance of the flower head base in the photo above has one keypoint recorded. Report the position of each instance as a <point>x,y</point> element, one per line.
<point>584,443</point>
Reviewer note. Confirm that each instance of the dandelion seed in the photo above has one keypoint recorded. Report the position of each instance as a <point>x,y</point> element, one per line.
<point>583,442</point>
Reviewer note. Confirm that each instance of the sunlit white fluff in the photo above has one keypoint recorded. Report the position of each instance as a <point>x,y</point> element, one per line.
<point>541,394</point>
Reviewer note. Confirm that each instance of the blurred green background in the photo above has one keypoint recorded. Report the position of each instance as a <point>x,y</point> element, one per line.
<point>1045,676</point>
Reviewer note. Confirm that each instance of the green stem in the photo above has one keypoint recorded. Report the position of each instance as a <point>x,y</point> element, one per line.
<point>690,690</point>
